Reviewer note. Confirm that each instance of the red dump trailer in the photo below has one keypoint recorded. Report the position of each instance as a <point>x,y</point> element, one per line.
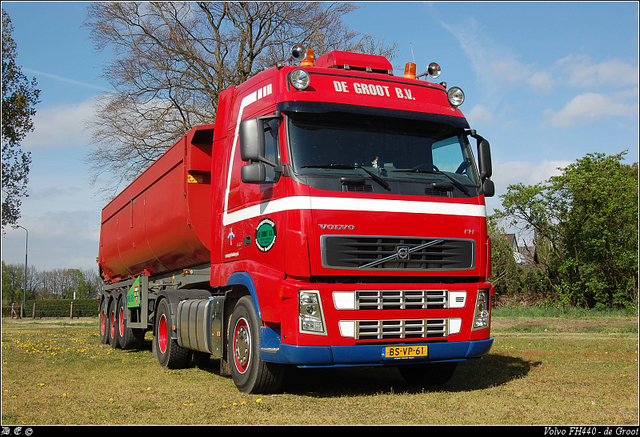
<point>333,215</point>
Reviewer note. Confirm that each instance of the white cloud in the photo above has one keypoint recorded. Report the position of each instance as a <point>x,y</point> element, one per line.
<point>584,73</point>
<point>528,173</point>
<point>541,82</point>
<point>64,79</point>
<point>490,59</point>
<point>60,126</point>
<point>57,239</point>
<point>591,106</point>
<point>478,114</point>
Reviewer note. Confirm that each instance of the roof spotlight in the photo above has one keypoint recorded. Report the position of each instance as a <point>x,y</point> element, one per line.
<point>298,52</point>
<point>434,70</point>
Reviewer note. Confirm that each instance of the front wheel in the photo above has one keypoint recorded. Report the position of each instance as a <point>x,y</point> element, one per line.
<point>249,372</point>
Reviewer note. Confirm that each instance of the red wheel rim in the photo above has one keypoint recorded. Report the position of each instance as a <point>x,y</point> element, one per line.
<point>162,334</point>
<point>113,324</point>
<point>121,321</point>
<point>242,345</point>
<point>103,322</point>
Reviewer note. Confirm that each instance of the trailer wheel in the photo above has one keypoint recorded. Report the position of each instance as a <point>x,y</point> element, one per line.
<point>249,372</point>
<point>170,354</point>
<point>128,338</point>
<point>113,322</point>
<point>428,374</point>
<point>103,322</point>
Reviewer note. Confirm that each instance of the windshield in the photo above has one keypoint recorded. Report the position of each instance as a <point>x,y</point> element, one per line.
<point>382,149</point>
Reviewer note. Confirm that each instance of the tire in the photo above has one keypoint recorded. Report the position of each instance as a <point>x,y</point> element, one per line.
<point>112,323</point>
<point>170,354</point>
<point>428,374</point>
<point>128,338</point>
<point>249,372</point>
<point>103,321</point>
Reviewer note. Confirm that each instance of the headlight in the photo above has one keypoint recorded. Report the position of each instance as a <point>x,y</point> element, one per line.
<point>299,78</point>
<point>455,96</point>
<point>310,312</point>
<point>481,314</point>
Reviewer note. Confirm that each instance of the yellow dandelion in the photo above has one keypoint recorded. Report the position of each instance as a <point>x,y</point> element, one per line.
<point>258,400</point>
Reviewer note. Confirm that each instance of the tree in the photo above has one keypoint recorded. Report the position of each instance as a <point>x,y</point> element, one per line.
<point>19,97</point>
<point>585,222</point>
<point>12,284</point>
<point>504,269</point>
<point>172,60</point>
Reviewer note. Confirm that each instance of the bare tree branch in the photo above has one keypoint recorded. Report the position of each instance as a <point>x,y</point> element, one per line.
<point>171,61</point>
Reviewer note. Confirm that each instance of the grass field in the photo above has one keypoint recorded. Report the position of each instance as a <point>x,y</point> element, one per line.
<point>541,370</point>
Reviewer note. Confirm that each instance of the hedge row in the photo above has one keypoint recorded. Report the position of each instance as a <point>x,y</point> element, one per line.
<point>61,308</point>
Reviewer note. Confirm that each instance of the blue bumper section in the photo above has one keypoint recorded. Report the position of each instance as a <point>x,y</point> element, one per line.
<point>324,356</point>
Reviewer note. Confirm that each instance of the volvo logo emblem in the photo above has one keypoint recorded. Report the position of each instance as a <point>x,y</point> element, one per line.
<point>403,252</point>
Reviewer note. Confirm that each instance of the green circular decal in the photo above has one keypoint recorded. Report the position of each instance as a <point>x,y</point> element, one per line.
<point>265,235</point>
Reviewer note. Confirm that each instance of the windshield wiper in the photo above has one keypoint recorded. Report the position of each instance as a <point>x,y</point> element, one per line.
<point>457,184</point>
<point>374,176</point>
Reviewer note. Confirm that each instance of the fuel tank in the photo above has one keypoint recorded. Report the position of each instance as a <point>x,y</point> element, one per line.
<point>161,221</point>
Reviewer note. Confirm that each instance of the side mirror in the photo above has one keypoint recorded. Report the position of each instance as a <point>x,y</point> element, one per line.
<point>254,173</point>
<point>484,159</point>
<point>251,140</point>
<point>484,164</point>
<point>252,149</point>
<point>488,187</point>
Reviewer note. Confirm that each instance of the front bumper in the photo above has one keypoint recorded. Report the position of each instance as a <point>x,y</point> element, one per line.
<point>272,350</point>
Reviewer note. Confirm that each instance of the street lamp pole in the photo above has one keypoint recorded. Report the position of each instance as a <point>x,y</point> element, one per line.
<point>26,253</point>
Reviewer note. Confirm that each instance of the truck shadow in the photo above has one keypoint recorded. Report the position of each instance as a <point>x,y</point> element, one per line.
<point>492,370</point>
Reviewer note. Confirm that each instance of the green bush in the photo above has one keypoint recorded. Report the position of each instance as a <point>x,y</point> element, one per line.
<point>62,307</point>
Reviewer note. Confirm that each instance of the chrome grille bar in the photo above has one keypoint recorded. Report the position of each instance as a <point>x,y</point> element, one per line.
<point>400,299</point>
<point>398,329</point>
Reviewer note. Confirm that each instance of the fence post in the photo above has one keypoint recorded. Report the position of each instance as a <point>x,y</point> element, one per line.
<point>33,312</point>
<point>71,310</point>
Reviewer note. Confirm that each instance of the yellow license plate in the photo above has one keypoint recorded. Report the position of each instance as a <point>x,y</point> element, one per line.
<point>416,351</point>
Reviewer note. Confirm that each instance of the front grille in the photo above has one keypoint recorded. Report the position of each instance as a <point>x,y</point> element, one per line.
<point>400,299</point>
<point>397,253</point>
<point>398,329</point>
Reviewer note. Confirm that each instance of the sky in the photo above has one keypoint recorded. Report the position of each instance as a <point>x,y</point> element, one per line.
<point>545,82</point>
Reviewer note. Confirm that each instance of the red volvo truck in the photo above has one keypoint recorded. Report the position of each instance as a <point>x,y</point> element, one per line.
<point>333,215</point>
